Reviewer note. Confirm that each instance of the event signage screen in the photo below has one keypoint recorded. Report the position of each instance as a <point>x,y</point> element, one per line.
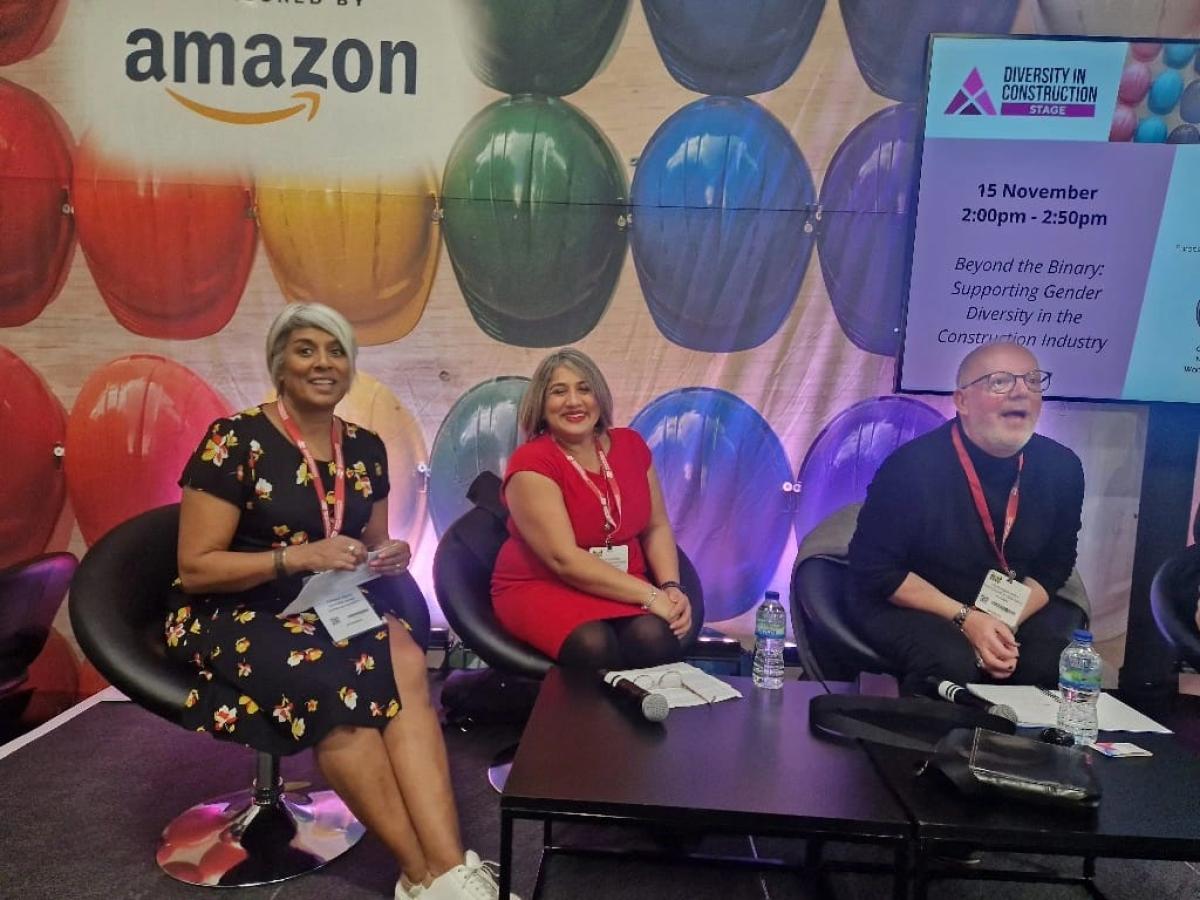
<point>1059,207</point>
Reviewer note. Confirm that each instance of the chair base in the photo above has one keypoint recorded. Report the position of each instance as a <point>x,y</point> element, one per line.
<point>235,840</point>
<point>500,766</point>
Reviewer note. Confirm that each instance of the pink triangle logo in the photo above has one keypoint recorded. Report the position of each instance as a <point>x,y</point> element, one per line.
<point>972,98</point>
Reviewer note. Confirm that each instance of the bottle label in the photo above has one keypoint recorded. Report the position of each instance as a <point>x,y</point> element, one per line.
<point>1076,680</point>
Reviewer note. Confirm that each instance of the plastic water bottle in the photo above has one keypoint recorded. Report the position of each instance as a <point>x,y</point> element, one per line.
<point>1079,670</point>
<point>770,627</point>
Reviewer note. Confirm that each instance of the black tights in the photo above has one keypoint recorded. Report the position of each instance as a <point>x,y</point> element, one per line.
<point>626,643</point>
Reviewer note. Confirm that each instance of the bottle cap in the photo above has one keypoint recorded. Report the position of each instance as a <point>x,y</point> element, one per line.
<point>1082,635</point>
<point>772,595</point>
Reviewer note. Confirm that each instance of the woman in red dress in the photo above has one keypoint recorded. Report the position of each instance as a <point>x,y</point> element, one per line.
<point>589,574</point>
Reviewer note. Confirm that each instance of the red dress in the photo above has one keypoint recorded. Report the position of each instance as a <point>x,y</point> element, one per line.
<point>530,601</point>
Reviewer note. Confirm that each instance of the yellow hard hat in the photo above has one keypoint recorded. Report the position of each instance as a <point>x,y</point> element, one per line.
<point>368,248</point>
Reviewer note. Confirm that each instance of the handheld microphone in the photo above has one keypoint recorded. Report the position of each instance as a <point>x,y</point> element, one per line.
<point>956,693</point>
<point>652,706</point>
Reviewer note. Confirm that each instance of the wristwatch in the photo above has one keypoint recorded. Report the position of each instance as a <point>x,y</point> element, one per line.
<point>960,617</point>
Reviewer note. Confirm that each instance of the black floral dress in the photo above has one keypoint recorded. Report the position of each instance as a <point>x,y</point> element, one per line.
<point>274,684</point>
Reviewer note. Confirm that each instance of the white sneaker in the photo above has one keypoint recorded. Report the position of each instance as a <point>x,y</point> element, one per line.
<point>415,889</point>
<point>475,879</point>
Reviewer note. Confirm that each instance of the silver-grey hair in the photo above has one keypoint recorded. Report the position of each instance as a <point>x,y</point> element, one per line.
<point>530,418</point>
<point>308,315</point>
<point>984,350</point>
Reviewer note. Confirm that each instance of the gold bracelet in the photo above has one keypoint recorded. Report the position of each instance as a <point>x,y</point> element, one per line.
<point>650,600</point>
<point>280,556</point>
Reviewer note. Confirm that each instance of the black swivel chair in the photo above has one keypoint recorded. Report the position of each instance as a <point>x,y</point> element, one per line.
<point>829,647</point>
<point>30,594</point>
<point>118,604</point>
<point>462,582</point>
<point>1173,595</point>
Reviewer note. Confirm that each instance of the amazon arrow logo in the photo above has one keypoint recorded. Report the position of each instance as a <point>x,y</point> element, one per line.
<point>311,101</point>
<point>353,66</point>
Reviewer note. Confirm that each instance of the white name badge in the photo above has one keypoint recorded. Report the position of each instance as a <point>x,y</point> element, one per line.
<point>1003,598</point>
<point>346,614</point>
<point>617,557</point>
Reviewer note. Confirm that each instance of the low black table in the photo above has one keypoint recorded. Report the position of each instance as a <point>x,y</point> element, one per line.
<point>1150,809</point>
<point>746,766</point>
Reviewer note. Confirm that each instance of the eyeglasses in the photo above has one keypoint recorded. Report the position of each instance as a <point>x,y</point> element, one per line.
<point>1003,382</point>
<point>653,681</point>
<point>666,681</point>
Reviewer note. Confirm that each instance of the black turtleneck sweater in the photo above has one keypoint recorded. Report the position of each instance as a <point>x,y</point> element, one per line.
<point>919,517</point>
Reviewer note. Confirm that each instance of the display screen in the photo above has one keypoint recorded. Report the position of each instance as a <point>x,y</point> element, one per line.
<point>1059,207</point>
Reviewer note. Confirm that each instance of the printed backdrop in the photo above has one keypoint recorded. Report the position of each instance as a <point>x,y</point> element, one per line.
<point>710,198</point>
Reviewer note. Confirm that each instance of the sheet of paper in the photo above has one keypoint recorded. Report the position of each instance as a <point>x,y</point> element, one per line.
<point>681,683</point>
<point>1037,708</point>
<point>329,584</point>
<point>1117,716</point>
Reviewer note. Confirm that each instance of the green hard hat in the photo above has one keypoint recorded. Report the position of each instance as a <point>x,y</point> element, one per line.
<point>540,46</point>
<point>535,204</point>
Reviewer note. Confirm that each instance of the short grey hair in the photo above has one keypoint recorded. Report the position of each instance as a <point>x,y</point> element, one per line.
<point>308,315</point>
<point>530,416</point>
<point>983,350</point>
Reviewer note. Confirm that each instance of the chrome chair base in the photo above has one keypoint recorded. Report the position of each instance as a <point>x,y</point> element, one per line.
<point>240,839</point>
<point>500,766</point>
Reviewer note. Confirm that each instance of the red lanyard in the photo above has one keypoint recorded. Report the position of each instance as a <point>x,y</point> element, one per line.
<point>985,516</point>
<point>610,524</point>
<point>339,484</point>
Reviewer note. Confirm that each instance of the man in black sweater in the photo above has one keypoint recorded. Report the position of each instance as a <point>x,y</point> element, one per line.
<point>968,534</point>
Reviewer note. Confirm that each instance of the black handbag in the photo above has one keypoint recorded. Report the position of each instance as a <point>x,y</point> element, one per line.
<point>980,762</point>
<point>977,752</point>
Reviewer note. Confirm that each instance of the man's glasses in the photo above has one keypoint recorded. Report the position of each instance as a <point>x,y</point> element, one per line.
<point>1003,382</point>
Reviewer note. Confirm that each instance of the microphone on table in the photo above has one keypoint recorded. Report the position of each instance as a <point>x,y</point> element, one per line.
<point>956,693</point>
<point>652,706</point>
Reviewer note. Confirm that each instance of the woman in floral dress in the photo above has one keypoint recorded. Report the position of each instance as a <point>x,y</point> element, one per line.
<point>273,493</point>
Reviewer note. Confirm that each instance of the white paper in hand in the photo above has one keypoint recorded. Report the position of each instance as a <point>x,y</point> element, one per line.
<point>330,584</point>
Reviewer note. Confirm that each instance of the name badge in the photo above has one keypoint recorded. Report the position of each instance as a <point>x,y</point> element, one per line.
<point>1003,598</point>
<point>617,557</point>
<point>346,614</point>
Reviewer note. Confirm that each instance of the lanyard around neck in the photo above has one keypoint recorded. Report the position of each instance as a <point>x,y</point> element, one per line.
<point>985,515</point>
<point>610,524</point>
<point>339,484</point>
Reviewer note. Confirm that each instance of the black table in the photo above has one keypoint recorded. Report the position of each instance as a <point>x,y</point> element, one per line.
<point>1150,809</point>
<point>746,766</point>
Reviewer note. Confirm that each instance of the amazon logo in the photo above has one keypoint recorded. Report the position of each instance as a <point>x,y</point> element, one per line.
<point>308,66</point>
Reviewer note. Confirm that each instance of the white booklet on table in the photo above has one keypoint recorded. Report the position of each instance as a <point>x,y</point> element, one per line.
<point>1038,708</point>
<point>682,684</point>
